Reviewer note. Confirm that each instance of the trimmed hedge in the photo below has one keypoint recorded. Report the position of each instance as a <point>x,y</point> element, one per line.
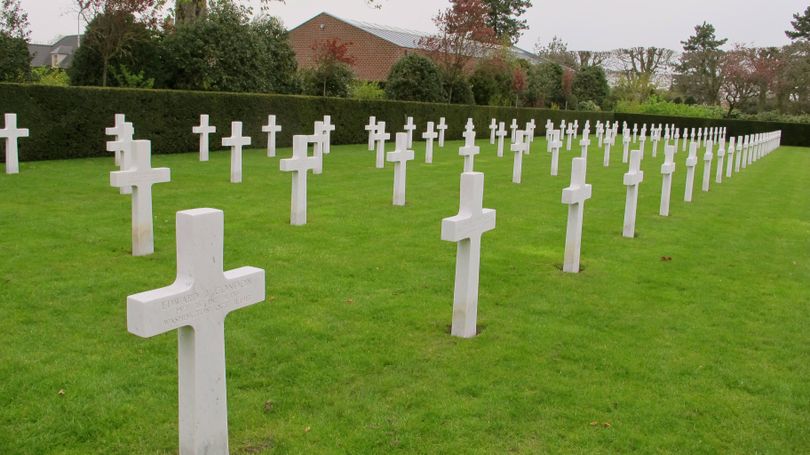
<point>69,122</point>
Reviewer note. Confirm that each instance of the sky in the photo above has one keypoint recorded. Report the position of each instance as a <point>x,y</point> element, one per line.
<point>584,24</point>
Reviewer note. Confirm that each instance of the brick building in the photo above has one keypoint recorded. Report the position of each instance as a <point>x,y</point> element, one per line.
<point>375,47</point>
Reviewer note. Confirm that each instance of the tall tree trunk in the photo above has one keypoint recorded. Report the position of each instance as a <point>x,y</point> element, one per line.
<point>189,10</point>
<point>106,62</point>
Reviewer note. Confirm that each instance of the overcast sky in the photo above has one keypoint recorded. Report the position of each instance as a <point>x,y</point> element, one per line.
<point>584,24</point>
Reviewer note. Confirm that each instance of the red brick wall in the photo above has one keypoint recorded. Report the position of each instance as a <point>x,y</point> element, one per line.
<point>374,56</point>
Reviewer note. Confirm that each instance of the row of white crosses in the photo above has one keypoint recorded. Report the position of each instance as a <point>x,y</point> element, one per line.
<point>202,294</point>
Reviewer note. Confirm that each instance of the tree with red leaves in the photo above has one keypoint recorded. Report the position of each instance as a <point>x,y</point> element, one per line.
<point>463,36</point>
<point>331,74</point>
<point>518,82</point>
<point>738,77</point>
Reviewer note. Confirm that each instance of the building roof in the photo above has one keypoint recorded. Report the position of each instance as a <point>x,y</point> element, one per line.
<point>41,53</point>
<point>409,39</point>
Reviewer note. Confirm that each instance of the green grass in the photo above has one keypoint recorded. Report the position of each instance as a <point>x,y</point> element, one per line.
<point>707,353</point>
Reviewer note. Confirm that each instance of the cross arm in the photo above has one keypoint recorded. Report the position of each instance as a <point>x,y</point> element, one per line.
<point>136,177</point>
<point>464,226</point>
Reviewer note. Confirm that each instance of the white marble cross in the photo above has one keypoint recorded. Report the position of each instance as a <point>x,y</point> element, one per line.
<point>318,140</point>
<point>429,136</point>
<point>299,164</point>
<point>739,154</point>
<point>691,162</point>
<point>549,127</point>
<point>441,127</point>
<point>635,130</point>
<point>327,128</point>
<point>576,128</point>
<point>380,136</point>
<point>492,127</point>
<point>700,136</point>
<point>204,130</point>
<point>122,145</point>
<point>469,150</point>
<point>746,151</point>
<point>529,135</point>
<point>141,176</point>
<point>610,139</point>
<point>707,164</point>
<point>626,152</point>
<point>501,133</point>
<point>466,230</point>
<point>730,161</point>
<point>513,127</point>
<point>519,147</point>
<point>600,132</point>
<point>570,134</point>
<point>666,172</point>
<point>575,196</point>
<point>585,142</point>
<point>196,305</point>
<point>236,141</point>
<point>656,137</point>
<point>721,154</point>
<point>632,179</point>
<point>116,130</point>
<point>371,128</point>
<point>409,129</point>
<point>556,145</point>
<point>271,129</point>
<point>400,157</point>
<point>642,140</point>
<point>677,138</point>
<point>530,127</point>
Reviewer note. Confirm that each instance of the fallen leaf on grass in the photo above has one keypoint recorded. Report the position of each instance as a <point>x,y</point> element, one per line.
<point>61,392</point>
<point>666,258</point>
<point>594,423</point>
<point>606,425</point>
<point>307,429</point>
<point>268,406</point>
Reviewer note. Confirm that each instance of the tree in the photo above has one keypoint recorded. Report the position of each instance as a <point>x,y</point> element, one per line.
<point>414,78</point>
<point>738,77</point>
<point>545,85</point>
<point>189,10</point>
<point>502,18</point>
<point>144,55</point>
<point>556,51</point>
<point>801,26</point>
<point>114,25</point>
<point>331,75</point>
<point>463,36</point>
<point>15,62</point>
<point>699,67</point>
<point>769,67</point>
<point>640,67</point>
<point>227,51</point>
<point>590,84</point>
<point>14,21</point>
<point>492,81</point>
<point>591,58</point>
<point>792,86</point>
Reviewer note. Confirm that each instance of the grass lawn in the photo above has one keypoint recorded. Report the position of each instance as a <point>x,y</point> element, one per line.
<point>706,353</point>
